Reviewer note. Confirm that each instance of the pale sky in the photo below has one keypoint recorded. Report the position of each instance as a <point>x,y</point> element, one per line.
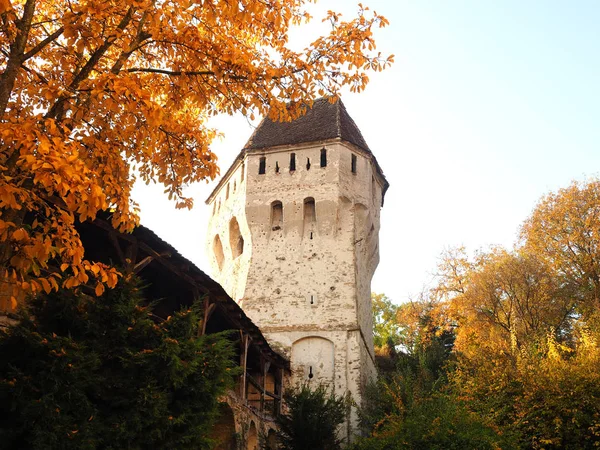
<point>489,105</point>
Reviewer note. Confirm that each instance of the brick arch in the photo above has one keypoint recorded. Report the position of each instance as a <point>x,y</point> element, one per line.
<point>224,429</point>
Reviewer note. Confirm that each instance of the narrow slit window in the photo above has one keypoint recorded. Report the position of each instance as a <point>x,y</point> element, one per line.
<point>310,215</point>
<point>353,163</point>
<point>292,162</point>
<point>307,163</point>
<point>262,165</point>
<point>310,373</point>
<point>276,215</point>
<point>323,157</point>
<point>276,166</point>
<point>234,186</point>
<point>227,192</point>
<point>243,170</point>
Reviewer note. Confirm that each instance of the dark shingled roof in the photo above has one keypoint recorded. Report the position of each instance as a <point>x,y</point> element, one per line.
<point>323,121</point>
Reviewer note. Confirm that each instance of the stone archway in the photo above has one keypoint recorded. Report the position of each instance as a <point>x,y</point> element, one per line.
<point>224,429</point>
<point>252,440</point>
<point>272,440</point>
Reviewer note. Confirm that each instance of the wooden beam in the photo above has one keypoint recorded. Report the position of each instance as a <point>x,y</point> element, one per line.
<point>243,364</point>
<point>115,242</point>
<point>209,308</point>
<point>143,263</point>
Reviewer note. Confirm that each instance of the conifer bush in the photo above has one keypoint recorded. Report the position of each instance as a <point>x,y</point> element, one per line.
<point>80,372</point>
<point>311,419</point>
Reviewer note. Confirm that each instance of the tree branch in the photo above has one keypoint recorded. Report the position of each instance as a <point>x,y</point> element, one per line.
<point>35,50</point>
<point>171,72</point>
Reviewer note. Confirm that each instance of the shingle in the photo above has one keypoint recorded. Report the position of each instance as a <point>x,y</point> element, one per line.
<point>323,121</point>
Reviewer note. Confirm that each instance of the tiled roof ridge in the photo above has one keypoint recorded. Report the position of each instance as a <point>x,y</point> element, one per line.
<point>322,121</point>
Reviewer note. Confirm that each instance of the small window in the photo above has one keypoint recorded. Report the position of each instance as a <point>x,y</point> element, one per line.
<point>262,166</point>
<point>307,163</point>
<point>234,186</point>
<point>309,211</point>
<point>218,251</point>
<point>353,163</point>
<point>292,162</point>
<point>214,208</point>
<point>227,192</point>
<point>276,166</point>
<point>323,157</point>
<point>276,215</point>
<point>236,241</point>
<point>243,170</point>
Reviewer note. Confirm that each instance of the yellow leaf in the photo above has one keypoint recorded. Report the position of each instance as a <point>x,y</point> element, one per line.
<point>99,289</point>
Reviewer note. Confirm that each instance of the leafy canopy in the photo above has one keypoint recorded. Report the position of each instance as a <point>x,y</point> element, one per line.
<point>90,89</point>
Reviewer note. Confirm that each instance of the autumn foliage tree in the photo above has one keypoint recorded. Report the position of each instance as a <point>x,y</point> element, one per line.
<point>89,90</point>
<point>526,323</point>
<point>524,366</point>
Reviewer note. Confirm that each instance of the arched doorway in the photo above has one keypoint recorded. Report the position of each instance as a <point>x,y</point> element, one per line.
<point>271,440</point>
<point>224,430</point>
<point>252,441</point>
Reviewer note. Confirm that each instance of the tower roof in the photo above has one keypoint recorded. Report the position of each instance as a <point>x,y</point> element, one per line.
<point>325,120</point>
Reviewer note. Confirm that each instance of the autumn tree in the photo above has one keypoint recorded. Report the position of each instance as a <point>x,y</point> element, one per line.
<point>90,90</point>
<point>526,325</point>
<point>564,230</point>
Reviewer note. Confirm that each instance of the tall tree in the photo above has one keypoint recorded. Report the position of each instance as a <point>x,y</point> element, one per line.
<point>90,89</point>
<point>564,230</point>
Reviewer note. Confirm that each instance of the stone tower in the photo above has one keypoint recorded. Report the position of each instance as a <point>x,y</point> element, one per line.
<point>294,239</point>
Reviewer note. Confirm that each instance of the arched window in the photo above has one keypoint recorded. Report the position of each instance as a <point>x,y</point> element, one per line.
<point>310,214</point>
<point>236,241</point>
<point>218,251</point>
<point>276,215</point>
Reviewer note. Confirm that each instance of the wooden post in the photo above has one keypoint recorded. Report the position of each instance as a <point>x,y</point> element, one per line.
<point>243,361</point>
<point>208,310</point>
<point>262,381</point>
<point>281,375</point>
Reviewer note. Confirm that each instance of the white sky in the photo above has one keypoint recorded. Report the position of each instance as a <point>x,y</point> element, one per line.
<point>489,106</point>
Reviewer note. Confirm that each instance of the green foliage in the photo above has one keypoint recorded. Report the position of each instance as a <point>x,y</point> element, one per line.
<point>410,406</point>
<point>438,422</point>
<point>312,418</point>
<point>386,330</point>
<point>79,372</point>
